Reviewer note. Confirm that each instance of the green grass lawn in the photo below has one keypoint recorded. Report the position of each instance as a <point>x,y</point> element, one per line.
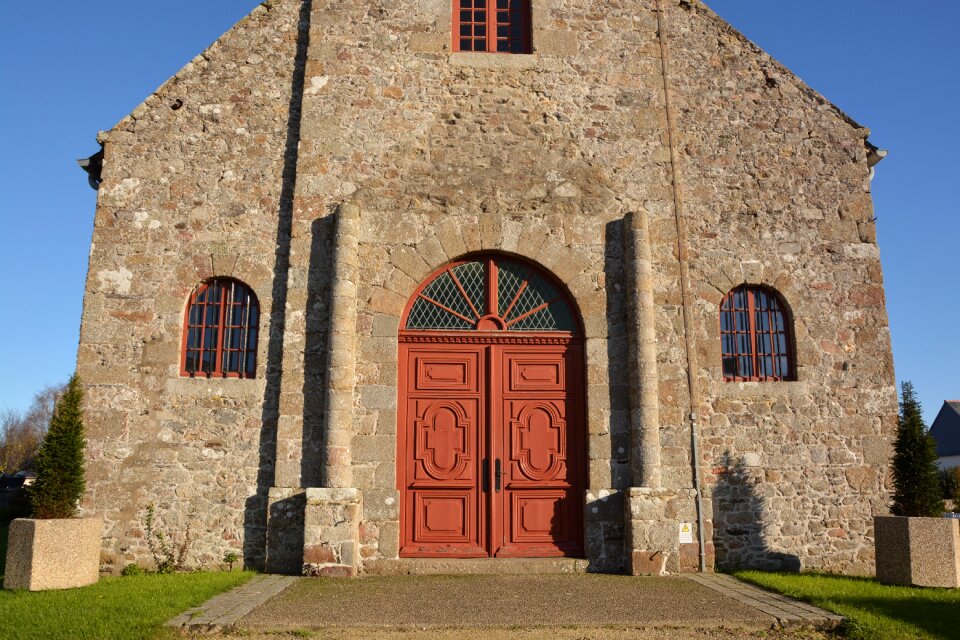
<point>874,611</point>
<point>114,608</point>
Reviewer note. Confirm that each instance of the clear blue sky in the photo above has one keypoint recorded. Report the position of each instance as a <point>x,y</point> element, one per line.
<point>70,69</point>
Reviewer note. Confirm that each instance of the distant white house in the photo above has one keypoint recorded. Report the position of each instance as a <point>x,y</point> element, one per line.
<point>946,432</point>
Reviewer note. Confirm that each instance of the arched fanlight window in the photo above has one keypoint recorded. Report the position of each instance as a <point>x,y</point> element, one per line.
<point>220,331</point>
<point>756,336</point>
<point>490,293</point>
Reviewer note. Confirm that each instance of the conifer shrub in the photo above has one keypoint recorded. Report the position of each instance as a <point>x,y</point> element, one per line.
<point>915,476</point>
<point>60,474</point>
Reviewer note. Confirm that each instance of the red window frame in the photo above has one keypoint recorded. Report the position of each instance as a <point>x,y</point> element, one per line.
<point>492,26</point>
<point>756,336</point>
<point>220,331</point>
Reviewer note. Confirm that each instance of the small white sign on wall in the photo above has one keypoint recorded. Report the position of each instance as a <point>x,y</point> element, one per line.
<point>686,533</point>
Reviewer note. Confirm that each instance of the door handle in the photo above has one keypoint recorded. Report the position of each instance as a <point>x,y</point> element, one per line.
<point>497,474</point>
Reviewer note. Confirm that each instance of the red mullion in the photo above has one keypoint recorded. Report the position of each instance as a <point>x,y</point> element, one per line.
<point>774,359</point>
<point>493,301</point>
<point>491,39</point>
<point>203,327</point>
<point>218,362</point>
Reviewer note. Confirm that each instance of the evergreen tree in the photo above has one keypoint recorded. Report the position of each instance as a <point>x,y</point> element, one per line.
<point>915,477</point>
<point>60,473</point>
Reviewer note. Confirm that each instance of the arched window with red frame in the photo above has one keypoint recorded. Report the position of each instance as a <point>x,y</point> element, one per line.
<point>492,26</point>
<point>756,336</point>
<point>220,331</point>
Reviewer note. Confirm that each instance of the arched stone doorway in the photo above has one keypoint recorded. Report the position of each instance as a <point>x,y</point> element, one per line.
<point>491,437</point>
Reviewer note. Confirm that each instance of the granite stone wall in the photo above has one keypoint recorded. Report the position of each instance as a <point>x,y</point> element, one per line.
<point>442,154</point>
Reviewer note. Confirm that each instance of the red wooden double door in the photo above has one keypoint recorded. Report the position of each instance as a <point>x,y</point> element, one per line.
<point>491,449</point>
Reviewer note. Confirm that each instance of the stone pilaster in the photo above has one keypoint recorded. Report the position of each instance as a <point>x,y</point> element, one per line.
<point>332,532</point>
<point>644,383</point>
<point>342,351</point>
<point>285,515</point>
<point>655,518</point>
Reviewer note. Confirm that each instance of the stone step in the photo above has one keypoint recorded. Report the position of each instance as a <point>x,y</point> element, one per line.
<point>466,566</point>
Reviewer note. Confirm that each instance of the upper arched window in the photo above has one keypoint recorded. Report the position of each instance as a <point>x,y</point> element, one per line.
<point>755,336</point>
<point>492,26</point>
<point>220,330</point>
<point>490,293</point>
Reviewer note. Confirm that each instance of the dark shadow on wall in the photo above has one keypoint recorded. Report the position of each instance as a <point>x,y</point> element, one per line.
<point>319,283</point>
<point>255,516</point>
<point>738,514</point>
<point>605,530</point>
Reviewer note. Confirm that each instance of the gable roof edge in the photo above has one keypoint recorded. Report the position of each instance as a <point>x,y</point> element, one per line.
<point>765,57</point>
<point>198,62</point>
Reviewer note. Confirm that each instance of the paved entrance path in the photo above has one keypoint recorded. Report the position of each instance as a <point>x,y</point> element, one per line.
<point>718,606</point>
<point>515,601</point>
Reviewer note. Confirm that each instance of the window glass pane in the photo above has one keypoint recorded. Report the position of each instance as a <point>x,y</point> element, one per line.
<point>480,4</point>
<point>191,362</point>
<point>503,4</point>
<point>766,366</point>
<point>466,44</point>
<point>728,344</point>
<point>465,29</point>
<point>730,367</point>
<point>763,322</point>
<point>466,4</point>
<point>466,16</point>
<point>479,16</point>
<point>763,343</point>
<point>746,366</point>
<point>740,298</point>
<point>743,321</point>
<point>480,30</point>
<point>725,322</point>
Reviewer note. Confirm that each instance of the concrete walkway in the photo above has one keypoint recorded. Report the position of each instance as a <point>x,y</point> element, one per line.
<point>276,603</point>
<point>788,612</point>
<point>224,610</point>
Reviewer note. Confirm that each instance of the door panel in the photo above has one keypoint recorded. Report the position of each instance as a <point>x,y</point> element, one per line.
<point>471,411</point>
<point>444,513</point>
<point>541,444</point>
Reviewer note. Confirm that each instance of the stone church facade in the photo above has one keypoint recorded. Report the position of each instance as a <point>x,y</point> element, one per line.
<point>604,296</point>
